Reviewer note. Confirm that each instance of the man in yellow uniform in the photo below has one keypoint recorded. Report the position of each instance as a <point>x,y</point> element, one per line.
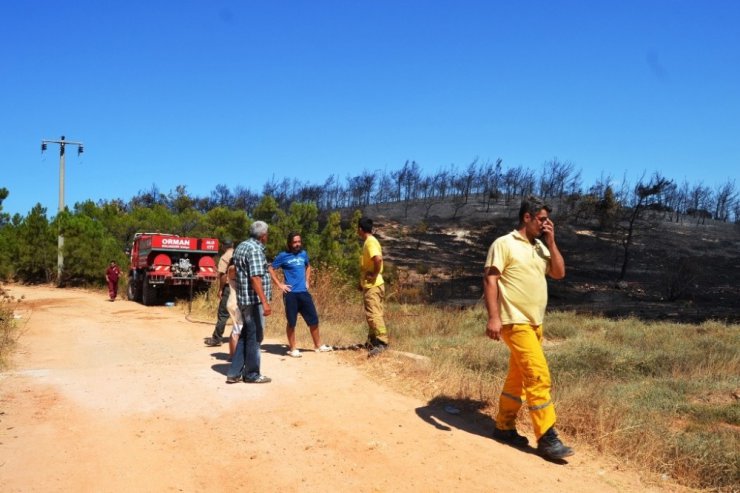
<point>515,291</point>
<point>373,288</point>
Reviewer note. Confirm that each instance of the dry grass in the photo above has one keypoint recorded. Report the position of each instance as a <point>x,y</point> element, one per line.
<point>340,312</point>
<point>8,327</point>
<point>661,396</point>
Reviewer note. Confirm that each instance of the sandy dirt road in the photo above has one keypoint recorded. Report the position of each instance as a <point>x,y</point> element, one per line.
<point>121,397</point>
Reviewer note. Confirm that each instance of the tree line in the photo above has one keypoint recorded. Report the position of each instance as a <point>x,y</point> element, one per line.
<point>96,233</point>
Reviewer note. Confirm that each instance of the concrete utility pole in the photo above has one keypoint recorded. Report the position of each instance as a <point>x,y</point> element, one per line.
<point>60,240</point>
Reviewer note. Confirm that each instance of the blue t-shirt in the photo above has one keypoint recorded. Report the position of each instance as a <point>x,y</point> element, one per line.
<point>294,267</point>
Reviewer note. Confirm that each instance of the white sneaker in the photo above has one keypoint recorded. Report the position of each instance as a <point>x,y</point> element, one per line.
<point>324,349</point>
<point>294,353</point>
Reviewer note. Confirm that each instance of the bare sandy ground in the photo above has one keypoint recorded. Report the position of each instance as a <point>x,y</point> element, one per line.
<point>121,397</point>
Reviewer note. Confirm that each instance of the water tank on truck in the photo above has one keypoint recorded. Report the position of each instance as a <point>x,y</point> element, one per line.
<point>163,264</point>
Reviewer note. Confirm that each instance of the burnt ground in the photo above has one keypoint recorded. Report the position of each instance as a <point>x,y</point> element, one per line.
<point>683,272</point>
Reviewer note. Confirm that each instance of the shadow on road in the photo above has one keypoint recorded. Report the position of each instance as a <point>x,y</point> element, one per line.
<point>221,355</point>
<point>221,368</point>
<point>445,413</point>
<point>277,349</point>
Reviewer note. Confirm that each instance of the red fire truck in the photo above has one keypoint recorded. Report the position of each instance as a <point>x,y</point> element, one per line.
<point>162,263</point>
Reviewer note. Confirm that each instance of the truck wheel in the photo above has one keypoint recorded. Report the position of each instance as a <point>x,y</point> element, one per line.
<point>132,291</point>
<point>148,293</point>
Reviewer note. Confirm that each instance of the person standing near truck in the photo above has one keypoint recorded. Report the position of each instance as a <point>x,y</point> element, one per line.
<point>253,292</point>
<point>233,307</point>
<point>296,298</point>
<point>223,296</point>
<point>515,292</point>
<point>112,273</point>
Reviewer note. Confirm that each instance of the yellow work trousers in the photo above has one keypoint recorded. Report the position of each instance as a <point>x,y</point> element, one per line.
<point>373,302</point>
<point>528,380</point>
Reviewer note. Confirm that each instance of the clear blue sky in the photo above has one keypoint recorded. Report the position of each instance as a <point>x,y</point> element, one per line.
<point>202,93</point>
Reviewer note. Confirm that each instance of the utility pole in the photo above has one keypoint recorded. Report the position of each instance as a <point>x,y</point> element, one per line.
<point>60,240</point>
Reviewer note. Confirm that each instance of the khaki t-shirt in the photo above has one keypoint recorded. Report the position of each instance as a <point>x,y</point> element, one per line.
<point>223,262</point>
<point>370,249</point>
<point>522,286</point>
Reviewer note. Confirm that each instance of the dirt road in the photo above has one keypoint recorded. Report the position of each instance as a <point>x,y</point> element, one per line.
<point>121,397</point>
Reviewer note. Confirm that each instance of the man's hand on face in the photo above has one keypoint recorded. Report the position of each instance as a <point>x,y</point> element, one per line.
<point>548,230</point>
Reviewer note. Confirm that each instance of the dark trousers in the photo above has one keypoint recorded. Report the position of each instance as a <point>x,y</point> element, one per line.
<point>223,314</point>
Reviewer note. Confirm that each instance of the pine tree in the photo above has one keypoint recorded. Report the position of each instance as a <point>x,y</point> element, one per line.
<point>37,247</point>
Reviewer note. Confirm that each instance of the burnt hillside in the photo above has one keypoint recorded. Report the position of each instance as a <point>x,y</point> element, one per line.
<point>678,271</point>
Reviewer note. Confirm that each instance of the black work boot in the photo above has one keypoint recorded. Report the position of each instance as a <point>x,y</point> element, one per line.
<point>510,437</point>
<point>549,446</point>
<point>376,349</point>
<point>212,341</point>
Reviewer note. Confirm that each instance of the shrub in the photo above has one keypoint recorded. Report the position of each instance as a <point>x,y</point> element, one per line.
<point>8,333</point>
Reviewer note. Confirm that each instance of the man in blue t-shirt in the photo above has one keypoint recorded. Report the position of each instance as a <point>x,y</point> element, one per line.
<point>297,299</point>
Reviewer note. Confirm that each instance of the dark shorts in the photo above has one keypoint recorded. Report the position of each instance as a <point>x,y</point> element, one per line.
<point>302,303</point>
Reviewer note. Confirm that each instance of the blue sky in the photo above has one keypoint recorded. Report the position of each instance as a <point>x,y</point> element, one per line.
<point>202,93</point>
